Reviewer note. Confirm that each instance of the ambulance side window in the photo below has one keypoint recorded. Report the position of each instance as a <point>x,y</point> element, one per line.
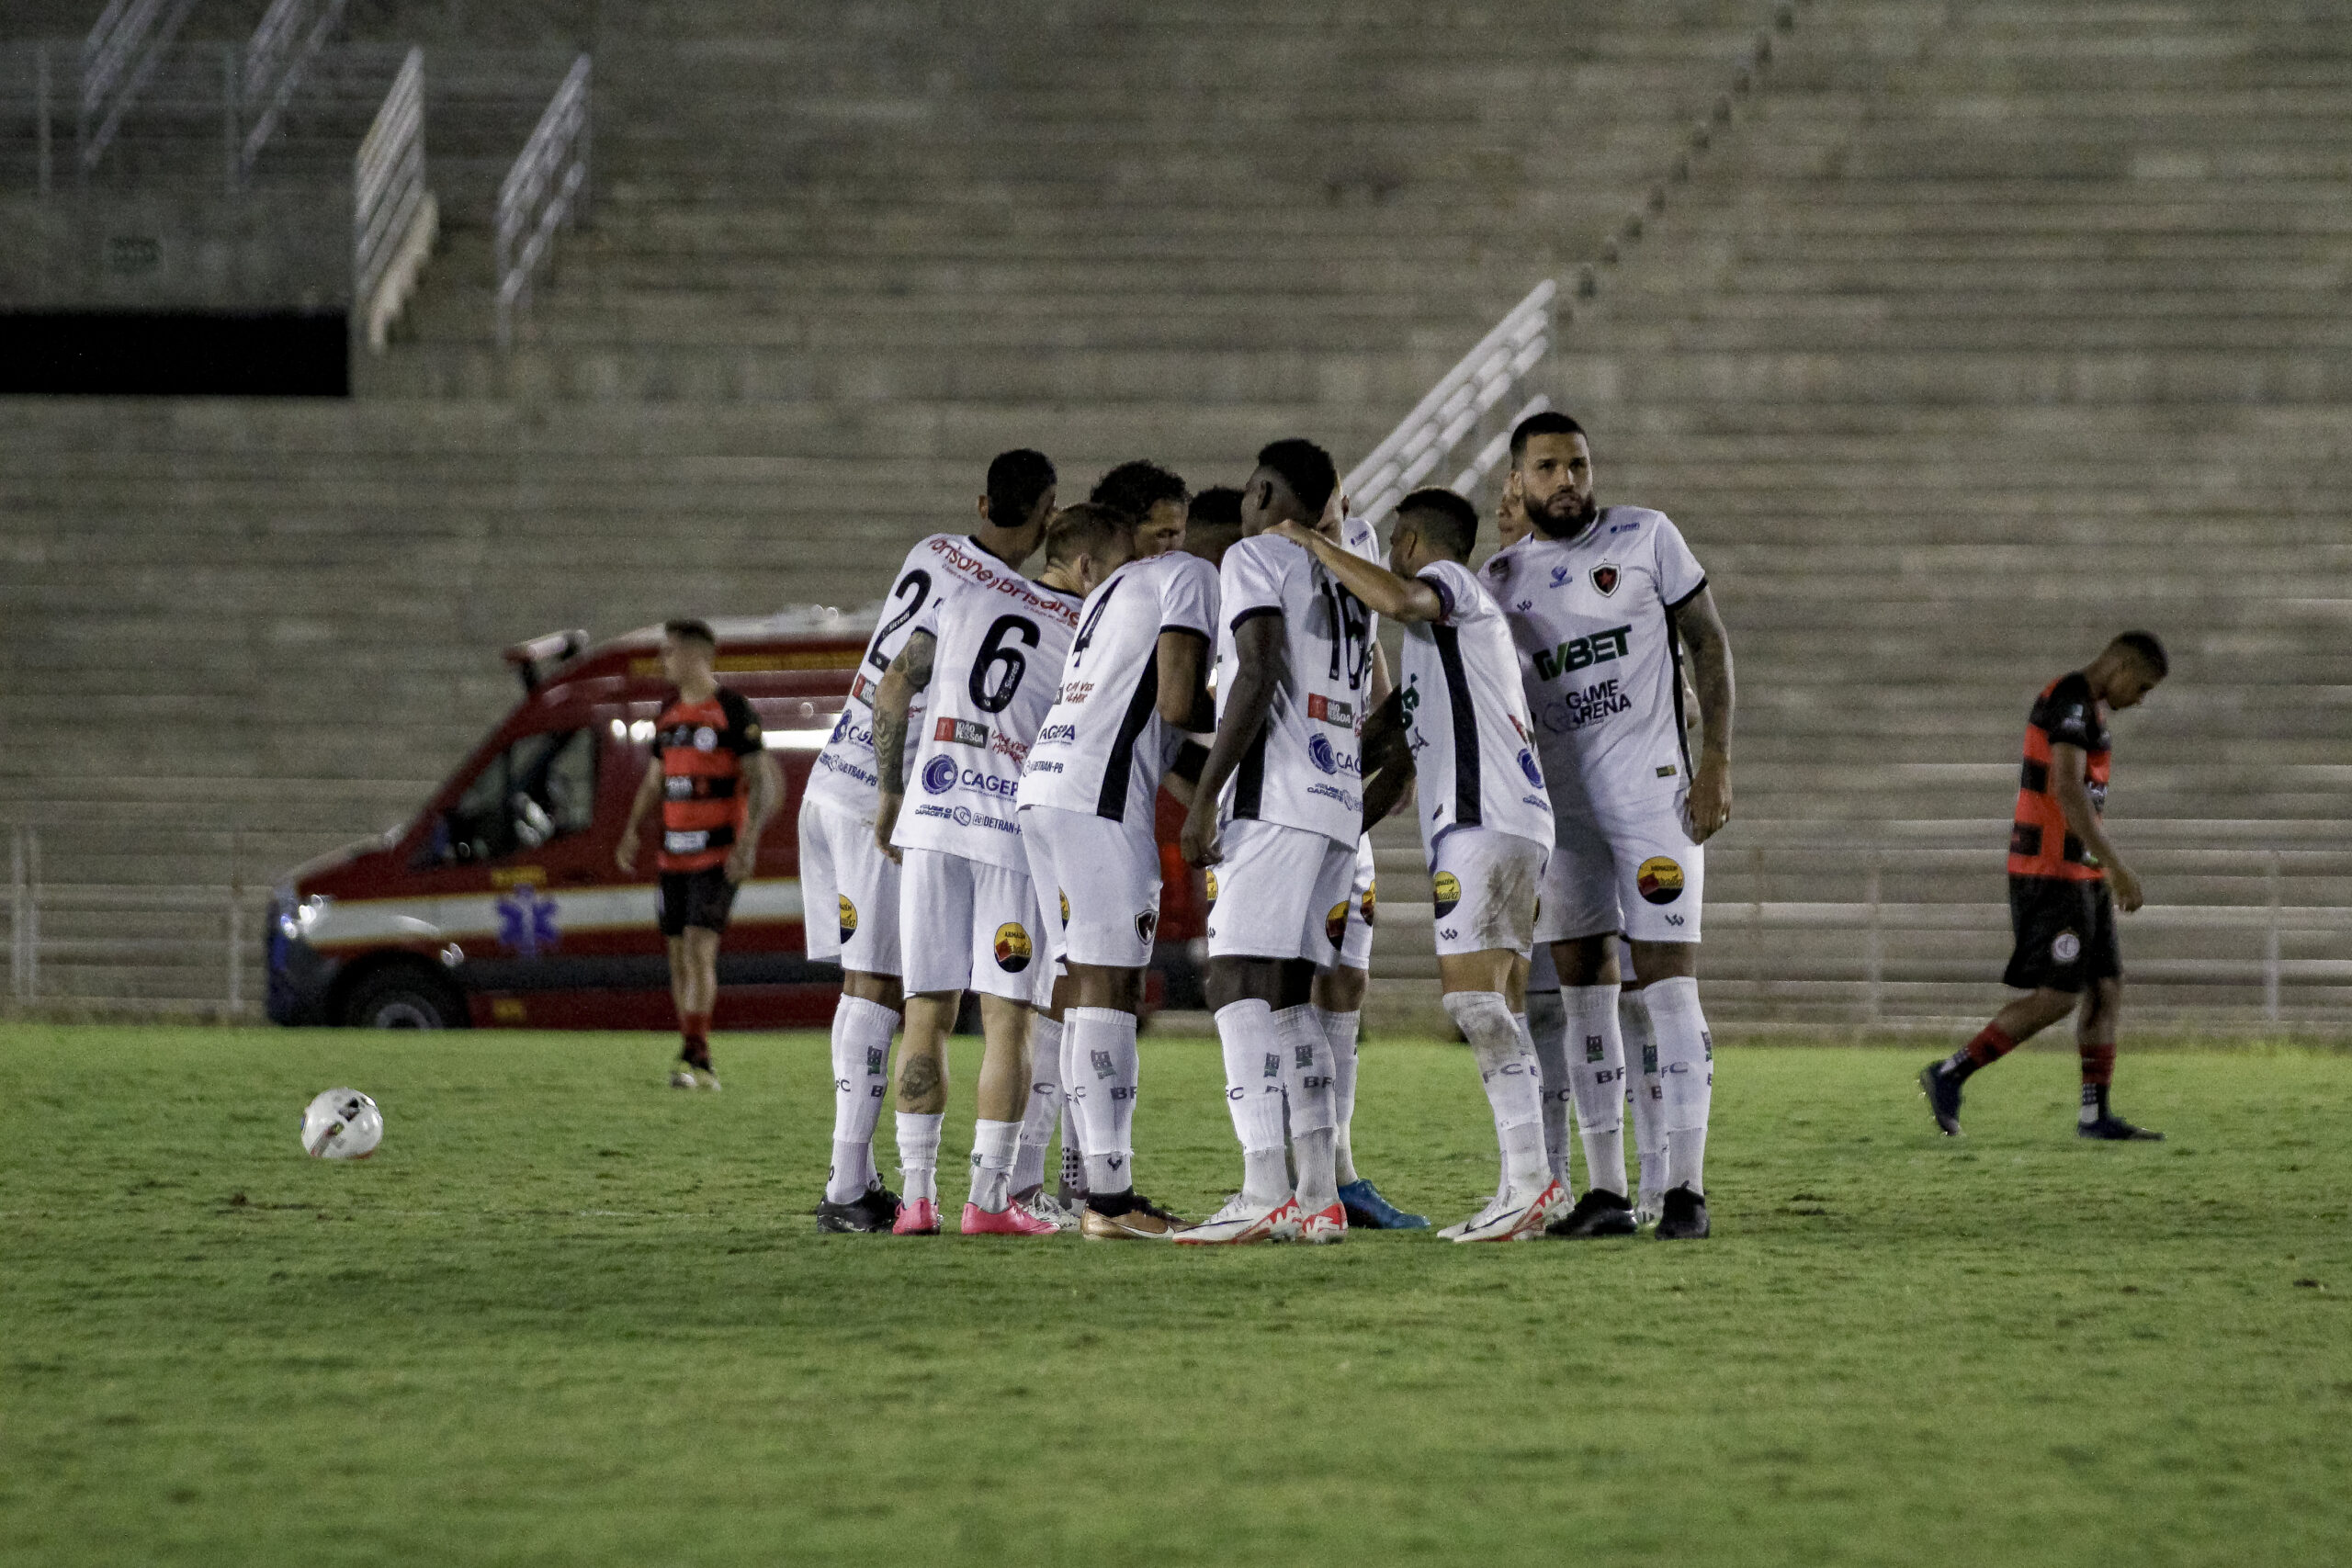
<point>538,790</point>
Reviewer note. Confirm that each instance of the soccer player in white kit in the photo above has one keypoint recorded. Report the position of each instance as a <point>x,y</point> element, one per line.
<point>1597,598</point>
<point>1599,1086</point>
<point>967,915</point>
<point>1131,685</point>
<point>849,888</point>
<point>1486,819</point>
<point>1277,813</point>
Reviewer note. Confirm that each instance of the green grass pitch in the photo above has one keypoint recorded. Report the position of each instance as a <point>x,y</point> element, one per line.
<point>567,1316</point>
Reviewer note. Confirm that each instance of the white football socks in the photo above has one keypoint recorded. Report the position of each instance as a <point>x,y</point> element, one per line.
<point>1045,1103</point>
<point>1642,1093</point>
<point>1104,1052</point>
<point>1342,1028</point>
<point>1314,1110</point>
<point>1686,1064</point>
<point>919,1155</point>
<point>1596,1075</point>
<point>1253,1095</point>
<point>862,1031</point>
<point>1547,1030</point>
<point>1513,1083</point>
<point>993,1145</point>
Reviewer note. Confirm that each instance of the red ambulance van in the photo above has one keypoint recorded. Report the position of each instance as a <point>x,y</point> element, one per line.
<point>500,904</point>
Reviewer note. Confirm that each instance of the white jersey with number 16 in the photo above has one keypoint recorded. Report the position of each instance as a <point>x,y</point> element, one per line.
<point>1304,769</point>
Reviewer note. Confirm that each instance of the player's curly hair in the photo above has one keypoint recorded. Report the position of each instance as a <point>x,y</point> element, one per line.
<point>1135,487</point>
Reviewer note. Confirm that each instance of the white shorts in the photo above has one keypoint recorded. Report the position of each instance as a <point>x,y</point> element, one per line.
<point>1279,892</point>
<point>1639,875</point>
<point>966,925</point>
<point>849,891</point>
<point>1364,902</point>
<point>1483,885</point>
<point>1098,886</point>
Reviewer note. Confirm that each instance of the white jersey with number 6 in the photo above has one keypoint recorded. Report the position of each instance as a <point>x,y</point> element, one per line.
<point>1304,769</point>
<point>1103,747</point>
<point>1593,617</point>
<point>1466,715</point>
<point>1000,646</point>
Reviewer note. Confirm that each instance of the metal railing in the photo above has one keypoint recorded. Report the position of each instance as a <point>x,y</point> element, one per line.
<point>276,59</point>
<point>128,949</point>
<point>1466,395</point>
<point>545,190</point>
<point>120,53</point>
<point>395,218</point>
<point>1453,408</point>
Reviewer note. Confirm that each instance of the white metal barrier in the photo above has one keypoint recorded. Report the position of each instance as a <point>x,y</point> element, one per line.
<point>276,59</point>
<point>1453,408</point>
<point>395,218</point>
<point>128,948</point>
<point>545,190</point>
<point>120,53</point>
<point>1508,355</point>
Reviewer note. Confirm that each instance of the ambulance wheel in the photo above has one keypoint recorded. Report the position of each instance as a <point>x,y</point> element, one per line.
<point>402,996</point>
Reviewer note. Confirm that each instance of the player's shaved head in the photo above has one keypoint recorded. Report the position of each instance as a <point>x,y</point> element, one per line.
<point>685,629</point>
<point>1292,484</point>
<point>1212,523</point>
<point>1445,522</point>
<point>2144,647</point>
<point>1089,528</point>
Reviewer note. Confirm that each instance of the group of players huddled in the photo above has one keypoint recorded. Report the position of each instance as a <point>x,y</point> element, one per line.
<point>982,820</point>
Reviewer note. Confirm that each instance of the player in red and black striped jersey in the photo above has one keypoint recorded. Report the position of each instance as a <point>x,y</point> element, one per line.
<point>2065,884</point>
<point>718,787</point>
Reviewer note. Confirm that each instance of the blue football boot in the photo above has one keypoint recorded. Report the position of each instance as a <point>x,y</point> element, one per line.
<point>1368,1211</point>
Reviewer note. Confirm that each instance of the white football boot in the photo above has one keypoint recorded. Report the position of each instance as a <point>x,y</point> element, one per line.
<point>1241,1222</point>
<point>1511,1217</point>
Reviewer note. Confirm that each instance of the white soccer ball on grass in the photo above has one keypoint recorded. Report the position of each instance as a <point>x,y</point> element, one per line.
<point>342,1123</point>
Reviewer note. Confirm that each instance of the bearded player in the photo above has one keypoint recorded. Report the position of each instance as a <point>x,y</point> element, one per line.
<point>1131,685</point>
<point>1602,601</point>
<point>1278,813</point>
<point>2066,882</point>
<point>967,912</point>
<point>849,887</point>
<point>1485,821</point>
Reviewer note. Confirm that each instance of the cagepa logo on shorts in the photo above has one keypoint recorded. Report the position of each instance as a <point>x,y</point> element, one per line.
<point>939,775</point>
<point>1211,876</point>
<point>1012,948</point>
<point>2066,947</point>
<point>1659,880</point>
<point>849,917</point>
<point>1319,752</point>
<point>1335,923</point>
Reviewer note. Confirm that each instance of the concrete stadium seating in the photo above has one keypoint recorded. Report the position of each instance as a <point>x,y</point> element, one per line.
<point>1987,330</point>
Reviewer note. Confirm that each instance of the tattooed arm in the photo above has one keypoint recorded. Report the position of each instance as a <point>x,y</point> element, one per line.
<point>909,673</point>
